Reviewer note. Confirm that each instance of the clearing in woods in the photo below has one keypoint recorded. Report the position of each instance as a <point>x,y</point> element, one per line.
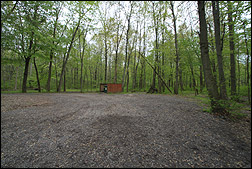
<point>117,130</point>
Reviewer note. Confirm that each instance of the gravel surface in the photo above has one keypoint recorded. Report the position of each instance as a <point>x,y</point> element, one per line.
<point>117,130</point>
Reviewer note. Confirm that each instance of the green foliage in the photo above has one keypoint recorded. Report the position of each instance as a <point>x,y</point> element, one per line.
<point>18,25</point>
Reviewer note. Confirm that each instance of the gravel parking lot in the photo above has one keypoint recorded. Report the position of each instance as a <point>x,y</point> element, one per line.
<point>117,130</point>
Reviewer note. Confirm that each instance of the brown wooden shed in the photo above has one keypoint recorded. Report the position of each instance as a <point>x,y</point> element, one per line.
<point>110,87</point>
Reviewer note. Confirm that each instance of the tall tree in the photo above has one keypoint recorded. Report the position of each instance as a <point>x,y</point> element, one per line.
<point>231,48</point>
<point>222,81</point>
<point>57,9</point>
<point>82,58</point>
<point>156,24</point>
<point>118,40</point>
<point>32,15</point>
<point>67,56</point>
<point>126,45</point>
<point>176,86</point>
<point>211,83</point>
<point>247,62</point>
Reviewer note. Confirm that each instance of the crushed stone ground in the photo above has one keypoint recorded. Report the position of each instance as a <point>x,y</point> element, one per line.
<point>117,130</point>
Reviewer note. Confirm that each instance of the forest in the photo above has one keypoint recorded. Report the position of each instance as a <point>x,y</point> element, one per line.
<point>171,47</point>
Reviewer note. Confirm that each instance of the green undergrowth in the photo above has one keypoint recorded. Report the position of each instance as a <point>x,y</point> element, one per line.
<point>234,107</point>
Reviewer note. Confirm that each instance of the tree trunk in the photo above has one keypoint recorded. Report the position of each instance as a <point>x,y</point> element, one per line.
<point>77,70</point>
<point>37,74</point>
<point>110,62</point>
<point>176,47</point>
<point>127,75</point>
<point>156,50</point>
<point>65,80</point>
<point>239,70</point>
<point>30,74</point>
<point>201,74</point>
<point>193,78</point>
<point>51,57</point>
<point>15,88</point>
<point>106,58</point>
<point>138,60</point>
<point>27,61</point>
<point>222,81</point>
<point>163,55</point>
<point>126,48</point>
<point>231,47</point>
<point>81,81</point>
<point>49,73</point>
<point>116,56</point>
<point>201,79</point>
<point>134,64</point>
<point>180,80</point>
<point>82,58</point>
<point>247,65</point>
<point>209,78</point>
<point>65,61</point>
<point>118,40</point>
<point>56,74</point>
<point>142,72</point>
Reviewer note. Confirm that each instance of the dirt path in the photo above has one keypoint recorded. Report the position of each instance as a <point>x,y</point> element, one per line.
<point>116,130</point>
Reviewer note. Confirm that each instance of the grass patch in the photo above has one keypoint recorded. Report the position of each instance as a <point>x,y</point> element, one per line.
<point>20,91</point>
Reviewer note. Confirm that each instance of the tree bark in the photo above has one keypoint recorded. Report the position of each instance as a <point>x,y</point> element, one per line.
<point>65,80</point>
<point>231,47</point>
<point>118,40</point>
<point>142,72</point>
<point>48,85</point>
<point>126,49</point>
<point>27,61</point>
<point>106,58</point>
<point>65,61</point>
<point>24,88</point>
<point>56,74</point>
<point>134,64</point>
<point>209,78</point>
<point>15,88</point>
<point>138,60</point>
<point>156,50</point>
<point>222,80</point>
<point>163,54</point>
<point>247,65</point>
<point>211,44</point>
<point>127,75</point>
<point>82,58</point>
<point>176,47</point>
<point>37,74</point>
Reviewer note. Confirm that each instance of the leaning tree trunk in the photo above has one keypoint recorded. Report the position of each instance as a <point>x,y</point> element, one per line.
<point>37,75</point>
